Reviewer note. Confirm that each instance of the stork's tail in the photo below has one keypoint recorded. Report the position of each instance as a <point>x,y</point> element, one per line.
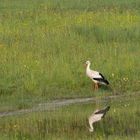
<point>105,81</point>
<point>107,108</point>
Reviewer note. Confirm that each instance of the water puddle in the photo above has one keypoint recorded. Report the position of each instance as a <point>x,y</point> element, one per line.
<point>52,105</point>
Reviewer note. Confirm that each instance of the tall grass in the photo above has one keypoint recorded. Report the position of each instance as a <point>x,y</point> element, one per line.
<point>43,45</point>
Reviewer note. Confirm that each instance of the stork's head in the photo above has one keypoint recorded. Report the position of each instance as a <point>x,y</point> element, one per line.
<point>87,63</point>
<point>91,130</point>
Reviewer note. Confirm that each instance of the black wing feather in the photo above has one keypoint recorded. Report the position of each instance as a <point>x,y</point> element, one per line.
<point>101,75</point>
<point>103,111</point>
<point>101,79</point>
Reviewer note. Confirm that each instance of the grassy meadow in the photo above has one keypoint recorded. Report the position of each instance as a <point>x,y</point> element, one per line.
<point>43,47</point>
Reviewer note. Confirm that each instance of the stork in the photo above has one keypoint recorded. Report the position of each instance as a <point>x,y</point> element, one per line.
<point>95,76</point>
<point>96,116</point>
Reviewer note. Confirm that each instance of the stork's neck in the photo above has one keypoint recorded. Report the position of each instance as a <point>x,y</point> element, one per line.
<point>91,129</point>
<point>88,67</point>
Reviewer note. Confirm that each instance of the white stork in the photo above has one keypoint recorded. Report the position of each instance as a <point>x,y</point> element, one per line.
<point>95,76</point>
<point>96,116</point>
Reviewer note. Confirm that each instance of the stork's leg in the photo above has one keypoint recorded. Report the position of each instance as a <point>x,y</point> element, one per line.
<point>96,86</point>
<point>93,85</point>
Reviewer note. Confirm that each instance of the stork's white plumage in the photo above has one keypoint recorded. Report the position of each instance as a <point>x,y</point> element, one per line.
<point>96,116</point>
<point>95,76</point>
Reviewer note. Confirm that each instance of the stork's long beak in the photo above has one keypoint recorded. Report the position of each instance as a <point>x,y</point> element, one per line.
<point>85,65</point>
<point>91,130</point>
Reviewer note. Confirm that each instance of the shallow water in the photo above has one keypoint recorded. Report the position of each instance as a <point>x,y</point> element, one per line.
<point>60,103</point>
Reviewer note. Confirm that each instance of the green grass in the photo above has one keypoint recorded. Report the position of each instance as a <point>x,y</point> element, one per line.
<point>44,44</point>
<point>121,122</point>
